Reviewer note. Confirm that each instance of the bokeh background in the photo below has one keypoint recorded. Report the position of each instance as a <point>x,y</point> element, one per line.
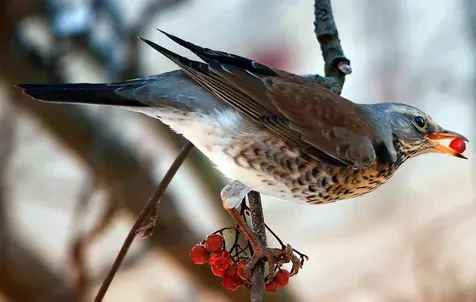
<point>73,178</point>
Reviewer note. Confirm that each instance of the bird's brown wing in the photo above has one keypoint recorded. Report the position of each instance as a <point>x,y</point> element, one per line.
<point>305,114</point>
<point>317,116</point>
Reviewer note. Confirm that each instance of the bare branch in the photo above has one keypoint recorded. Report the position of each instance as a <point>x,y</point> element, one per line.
<point>337,66</point>
<point>148,208</point>
<point>259,229</point>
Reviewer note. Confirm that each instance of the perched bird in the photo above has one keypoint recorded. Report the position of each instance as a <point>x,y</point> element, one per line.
<point>269,130</point>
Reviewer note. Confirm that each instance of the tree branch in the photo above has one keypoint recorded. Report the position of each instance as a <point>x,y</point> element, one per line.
<point>259,229</point>
<point>148,208</point>
<point>336,67</point>
<point>328,37</point>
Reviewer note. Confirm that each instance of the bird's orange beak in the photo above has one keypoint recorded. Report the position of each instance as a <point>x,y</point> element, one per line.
<point>445,134</point>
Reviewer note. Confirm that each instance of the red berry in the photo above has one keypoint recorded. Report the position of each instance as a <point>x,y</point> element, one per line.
<point>217,272</point>
<point>214,243</point>
<point>231,271</point>
<point>199,254</point>
<point>240,271</point>
<point>245,284</point>
<point>272,286</point>
<point>220,260</point>
<point>458,145</point>
<point>282,277</point>
<point>231,282</point>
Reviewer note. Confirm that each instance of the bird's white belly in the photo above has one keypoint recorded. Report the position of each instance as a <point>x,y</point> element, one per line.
<point>251,178</point>
<point>212,133</point>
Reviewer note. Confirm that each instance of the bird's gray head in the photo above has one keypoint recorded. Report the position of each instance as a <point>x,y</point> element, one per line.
<point>415,132</point>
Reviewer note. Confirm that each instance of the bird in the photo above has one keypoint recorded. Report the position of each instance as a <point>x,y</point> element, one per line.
<point>268,130</point>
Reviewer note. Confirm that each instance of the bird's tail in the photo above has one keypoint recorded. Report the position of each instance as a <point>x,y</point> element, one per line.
<point>82,93</point>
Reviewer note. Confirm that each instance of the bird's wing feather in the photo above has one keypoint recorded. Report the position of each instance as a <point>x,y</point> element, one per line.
<point>307,115</point>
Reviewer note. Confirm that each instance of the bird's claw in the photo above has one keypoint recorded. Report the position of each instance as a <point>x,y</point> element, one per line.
<point>275,258</point>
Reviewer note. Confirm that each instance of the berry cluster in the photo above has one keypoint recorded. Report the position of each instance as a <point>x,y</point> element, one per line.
<point>230,264</point>
<point>281,279</point>
<point>223,265</point>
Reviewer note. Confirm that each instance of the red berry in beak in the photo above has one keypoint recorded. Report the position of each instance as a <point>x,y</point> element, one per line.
<point>458,145</point>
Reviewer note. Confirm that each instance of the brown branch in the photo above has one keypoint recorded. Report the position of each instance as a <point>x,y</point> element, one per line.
<point>148,208</point>
<point>259,229</point>
<point>337,66</point>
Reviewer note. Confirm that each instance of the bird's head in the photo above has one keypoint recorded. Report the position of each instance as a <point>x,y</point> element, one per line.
<point>416,132</point>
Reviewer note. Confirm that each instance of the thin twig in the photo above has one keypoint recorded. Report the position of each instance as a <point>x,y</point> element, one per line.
<point>259,229</point>
<point>153,201</point>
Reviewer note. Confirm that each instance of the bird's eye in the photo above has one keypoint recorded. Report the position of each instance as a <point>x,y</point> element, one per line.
<point>419,121</point>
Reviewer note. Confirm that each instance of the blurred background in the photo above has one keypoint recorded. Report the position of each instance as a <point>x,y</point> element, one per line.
<point>73,178</point>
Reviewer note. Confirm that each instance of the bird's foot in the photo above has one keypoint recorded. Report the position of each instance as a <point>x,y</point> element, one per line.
<point>276,258</point>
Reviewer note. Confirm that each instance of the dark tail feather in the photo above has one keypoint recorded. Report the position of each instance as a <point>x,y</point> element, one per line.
<point>100,94</point>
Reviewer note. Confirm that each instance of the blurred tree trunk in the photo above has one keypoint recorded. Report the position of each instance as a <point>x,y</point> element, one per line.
<point>23,275</point>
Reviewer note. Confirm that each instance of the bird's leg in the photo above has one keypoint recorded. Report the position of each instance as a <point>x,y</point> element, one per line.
<point>231,196</point>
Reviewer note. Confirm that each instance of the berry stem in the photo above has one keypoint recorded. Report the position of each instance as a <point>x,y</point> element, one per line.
<point>275,236</point>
